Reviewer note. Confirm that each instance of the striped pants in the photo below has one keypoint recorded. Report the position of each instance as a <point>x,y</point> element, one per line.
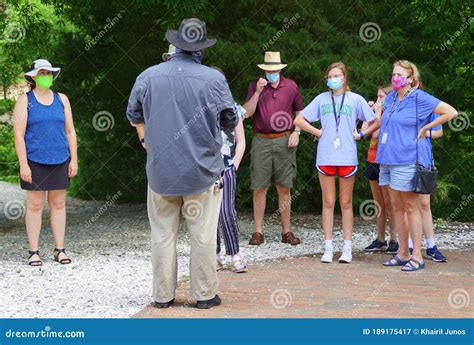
<point>228,215</point>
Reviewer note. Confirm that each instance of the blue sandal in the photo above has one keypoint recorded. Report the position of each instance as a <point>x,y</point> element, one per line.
<point>410,267</point>
<point>398,262</point>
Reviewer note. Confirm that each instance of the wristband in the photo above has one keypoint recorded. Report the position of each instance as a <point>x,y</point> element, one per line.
<point>362,136</point>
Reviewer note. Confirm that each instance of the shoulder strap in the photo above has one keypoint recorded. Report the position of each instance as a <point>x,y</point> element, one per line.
<point>30,98</point>
<point>417,131</point>
<point>56,94</point>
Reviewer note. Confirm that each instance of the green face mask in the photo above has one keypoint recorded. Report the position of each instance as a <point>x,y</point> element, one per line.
<point>44,81</point>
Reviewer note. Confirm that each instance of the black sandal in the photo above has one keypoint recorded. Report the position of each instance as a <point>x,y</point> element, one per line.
<point>34,263</point>
<point>62,261</point>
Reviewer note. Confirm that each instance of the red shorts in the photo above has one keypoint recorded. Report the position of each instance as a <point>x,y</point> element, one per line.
<point>341,171</point>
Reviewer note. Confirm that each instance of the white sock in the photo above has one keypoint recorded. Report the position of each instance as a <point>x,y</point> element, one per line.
<point>236,257</point>
<point>410,243</point>
<point>348,243</point>
<point>328,243</point>
<point>430,243</point>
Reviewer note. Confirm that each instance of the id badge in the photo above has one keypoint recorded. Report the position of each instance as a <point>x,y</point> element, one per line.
<point>337,143</point>
<point>384,138</point>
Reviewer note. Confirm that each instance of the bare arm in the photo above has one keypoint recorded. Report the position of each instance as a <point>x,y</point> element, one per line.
<point>302,123</point>
<point>20,118</point>
<point>251,105</point>
<point>373,126</point>
<point>435,134</point>
<point>446,113</point>
<point>71,135</point>
<point>240,144</point>
<point>140,127</point>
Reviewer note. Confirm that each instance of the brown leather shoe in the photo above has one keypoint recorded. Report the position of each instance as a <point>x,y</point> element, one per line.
<point>256,239</point>
<point>290,238</point>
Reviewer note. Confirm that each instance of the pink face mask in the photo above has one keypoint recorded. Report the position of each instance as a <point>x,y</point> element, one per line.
<point>399,82</point>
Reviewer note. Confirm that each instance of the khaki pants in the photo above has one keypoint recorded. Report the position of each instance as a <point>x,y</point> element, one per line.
<point>201,212</point>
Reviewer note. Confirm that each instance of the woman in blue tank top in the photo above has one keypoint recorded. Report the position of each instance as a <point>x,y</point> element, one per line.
<point>46,145</point>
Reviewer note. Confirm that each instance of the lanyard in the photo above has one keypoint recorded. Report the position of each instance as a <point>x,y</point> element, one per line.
<point>337,116</point>
<point>392,110</point>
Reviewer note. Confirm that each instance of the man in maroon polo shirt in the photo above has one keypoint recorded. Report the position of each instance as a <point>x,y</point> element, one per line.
<point>273,102</point>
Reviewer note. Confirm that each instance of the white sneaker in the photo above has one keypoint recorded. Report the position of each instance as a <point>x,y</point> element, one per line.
<point>328,254</point>
<point>346,256</point>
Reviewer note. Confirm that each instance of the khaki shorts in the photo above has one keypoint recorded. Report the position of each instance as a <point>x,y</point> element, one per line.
<point>272,160</point>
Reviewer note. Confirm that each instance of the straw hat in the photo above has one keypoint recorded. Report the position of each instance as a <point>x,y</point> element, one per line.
<point>272,62</point>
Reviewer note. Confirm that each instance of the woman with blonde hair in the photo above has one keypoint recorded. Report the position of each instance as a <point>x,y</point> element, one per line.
<point>402,143</point>
<point>338,111</point>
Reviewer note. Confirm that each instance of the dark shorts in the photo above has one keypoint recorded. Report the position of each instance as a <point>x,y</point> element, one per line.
<point>47,176</point>
<point>272,160</point>
<point>372,171</point>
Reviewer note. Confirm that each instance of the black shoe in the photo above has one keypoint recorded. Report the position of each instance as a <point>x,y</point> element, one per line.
<point>164,304</point>
<point>376,246</point>
<point>392,247</point>
<point>208,304</point>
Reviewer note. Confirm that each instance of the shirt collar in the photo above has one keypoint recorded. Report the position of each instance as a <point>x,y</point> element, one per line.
<point>183,56</point>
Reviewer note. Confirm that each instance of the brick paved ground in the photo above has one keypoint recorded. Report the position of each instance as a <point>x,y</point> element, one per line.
<point>304,287</point>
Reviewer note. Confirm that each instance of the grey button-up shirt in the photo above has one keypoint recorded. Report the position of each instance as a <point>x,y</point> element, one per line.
<point>180,102</point>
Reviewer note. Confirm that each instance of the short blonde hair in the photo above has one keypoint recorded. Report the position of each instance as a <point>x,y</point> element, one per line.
<point>414,72</point>
<point>343,68</point>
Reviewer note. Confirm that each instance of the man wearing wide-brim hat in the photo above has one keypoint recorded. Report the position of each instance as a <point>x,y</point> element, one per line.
<point>273,102</point>
<point>180,106</point>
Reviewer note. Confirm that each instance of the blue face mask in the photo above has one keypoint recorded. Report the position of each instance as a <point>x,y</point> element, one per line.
<point>272,77</point>
<point>334,83</point>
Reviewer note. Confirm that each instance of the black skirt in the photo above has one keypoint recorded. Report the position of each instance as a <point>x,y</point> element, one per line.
<point>47,176</point>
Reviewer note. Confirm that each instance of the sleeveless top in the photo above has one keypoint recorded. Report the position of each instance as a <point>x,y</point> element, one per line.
<point>45,135</point>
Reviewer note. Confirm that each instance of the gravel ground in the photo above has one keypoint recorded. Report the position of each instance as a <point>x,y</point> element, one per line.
<point>111,271</point>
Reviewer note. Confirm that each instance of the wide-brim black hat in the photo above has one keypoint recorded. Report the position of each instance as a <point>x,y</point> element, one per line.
<point>191,35</point>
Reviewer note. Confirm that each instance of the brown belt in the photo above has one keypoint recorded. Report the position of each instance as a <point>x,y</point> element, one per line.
<point>272,135</point>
